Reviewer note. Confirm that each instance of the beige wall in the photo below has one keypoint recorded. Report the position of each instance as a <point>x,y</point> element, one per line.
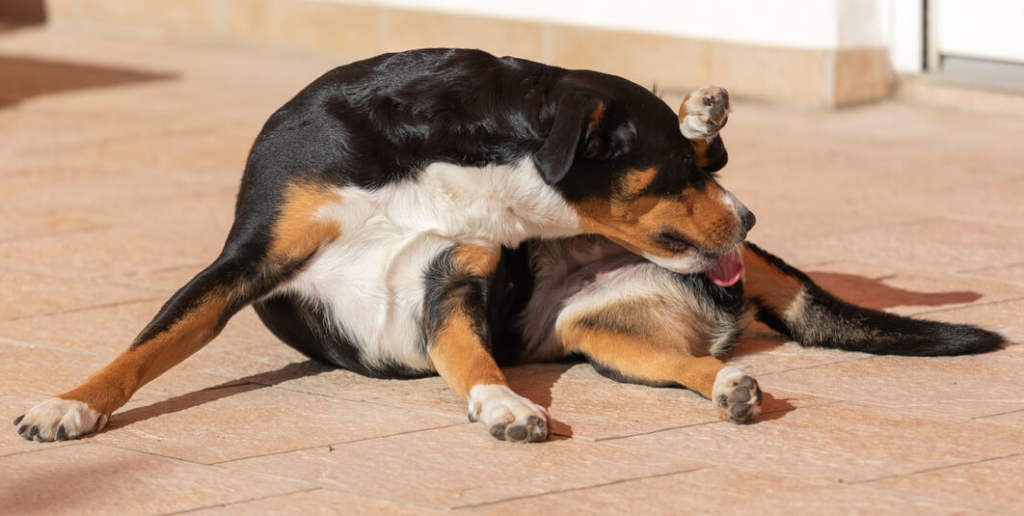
<point>806,77</point>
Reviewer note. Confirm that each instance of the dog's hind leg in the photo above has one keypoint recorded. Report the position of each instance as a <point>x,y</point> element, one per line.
<point>642,352</point>
<point>458,342</point>
<point>703,113</point>
<point>257,257</point>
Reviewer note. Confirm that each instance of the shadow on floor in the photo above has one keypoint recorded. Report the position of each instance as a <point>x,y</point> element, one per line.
<point>193,399</point>
<point>18,13</point>
<point>24,78</point>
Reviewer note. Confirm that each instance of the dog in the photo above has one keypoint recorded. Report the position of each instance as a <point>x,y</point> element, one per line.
<point>445,211</point>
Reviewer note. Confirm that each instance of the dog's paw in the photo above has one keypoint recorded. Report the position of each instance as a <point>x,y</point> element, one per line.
<point>59,420</point>
<point>508,416</point>
<point>707,111</point>
<point>736,395</point>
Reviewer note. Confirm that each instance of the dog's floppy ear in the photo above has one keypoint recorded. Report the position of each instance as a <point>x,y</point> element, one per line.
<point>581,128</point>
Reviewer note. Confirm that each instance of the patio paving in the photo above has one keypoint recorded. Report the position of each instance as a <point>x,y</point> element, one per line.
<point>119,162</point>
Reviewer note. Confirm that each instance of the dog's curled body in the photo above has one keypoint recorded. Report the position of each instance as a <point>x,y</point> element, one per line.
<point>433,210</point>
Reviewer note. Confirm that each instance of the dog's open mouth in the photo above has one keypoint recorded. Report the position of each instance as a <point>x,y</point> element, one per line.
<point>727,270</point>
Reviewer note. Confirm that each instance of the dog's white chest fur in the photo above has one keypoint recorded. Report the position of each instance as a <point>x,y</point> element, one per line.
<point>372,277</point>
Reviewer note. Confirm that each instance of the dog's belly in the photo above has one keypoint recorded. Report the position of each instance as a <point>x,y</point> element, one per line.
<point>368,298</point>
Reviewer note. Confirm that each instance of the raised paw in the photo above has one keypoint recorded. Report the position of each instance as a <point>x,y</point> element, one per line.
<point>736,395</point>
<point>507,415</point>
<point>704,112</point>
<point>59,420</point>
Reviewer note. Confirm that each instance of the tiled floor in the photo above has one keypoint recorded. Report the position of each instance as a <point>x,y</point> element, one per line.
<point>113,195</point>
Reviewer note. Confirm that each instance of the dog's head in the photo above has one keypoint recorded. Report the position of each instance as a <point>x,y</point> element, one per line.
<point>619,158</point>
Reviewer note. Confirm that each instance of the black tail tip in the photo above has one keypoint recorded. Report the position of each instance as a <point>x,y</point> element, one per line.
<point>962,339</point>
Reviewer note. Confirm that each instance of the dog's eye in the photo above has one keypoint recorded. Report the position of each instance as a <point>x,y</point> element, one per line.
<point>674,241</point>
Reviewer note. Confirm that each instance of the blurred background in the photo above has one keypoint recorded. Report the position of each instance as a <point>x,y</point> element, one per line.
<point>813,53</point>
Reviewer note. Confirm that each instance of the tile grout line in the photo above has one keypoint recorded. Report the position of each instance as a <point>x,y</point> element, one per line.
<point>937,468</point>
<point>804,368</point>
<point>989,268</point>
<point>937,501</point>
<point>10,342</point>
<point>980,418</point>
<point>82,309</point>
<point>581,488</point>
<point>226,463</point>
<point>706,423</point>
<point>974,305</point>
<point>239,502</point>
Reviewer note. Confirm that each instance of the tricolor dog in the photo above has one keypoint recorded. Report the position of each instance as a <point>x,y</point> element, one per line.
<point>446,211</point>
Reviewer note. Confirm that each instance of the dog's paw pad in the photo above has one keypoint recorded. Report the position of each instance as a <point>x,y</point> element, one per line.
<point>59,420</point>
<point>507,415</point>
<point>704,112</point>
<point>736,395</point>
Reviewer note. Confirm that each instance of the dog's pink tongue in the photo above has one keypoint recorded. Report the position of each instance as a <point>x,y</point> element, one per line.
<point>727,271</point>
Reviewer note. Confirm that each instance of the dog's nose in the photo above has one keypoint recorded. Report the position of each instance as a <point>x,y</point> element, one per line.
<point>748,221</point>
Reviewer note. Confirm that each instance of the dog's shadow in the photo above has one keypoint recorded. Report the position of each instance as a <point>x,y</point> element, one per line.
<point>536,381</point>
<point>192,399</point>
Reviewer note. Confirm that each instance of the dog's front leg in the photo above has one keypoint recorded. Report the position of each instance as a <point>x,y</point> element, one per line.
<point>458,341</point>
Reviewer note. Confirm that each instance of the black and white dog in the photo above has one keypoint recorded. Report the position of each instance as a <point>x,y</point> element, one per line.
<point>428,211</point>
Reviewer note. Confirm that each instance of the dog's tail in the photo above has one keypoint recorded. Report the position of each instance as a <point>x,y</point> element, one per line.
<point>791,303</point>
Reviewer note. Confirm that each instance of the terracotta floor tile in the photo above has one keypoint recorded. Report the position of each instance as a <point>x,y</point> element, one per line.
<point>1015,418</point>
<point>111,254</point>
<point>1009,274</point>
<point>20,224</point>
<point>320,502</point>
<point>762,351</point>
<point>228,423</point>
<point>944,246</point>
<point>899,288</point>
<point>843,441</point>
<point>462,465</point>
<point>107,331</point>
<point>429,394</point>
<point>25,295</point>
<point>215,155</point>
<point>994,485</point>
<point>714,491</point>
<point>965,386</point>
<point>262,364</point>
<point>211,213</point>
<point>1004,317</point>
<point>92,479</point>
<point>937,245</point>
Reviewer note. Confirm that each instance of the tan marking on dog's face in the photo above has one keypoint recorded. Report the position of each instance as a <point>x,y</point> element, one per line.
<point>298,232</point>
<point>635,182</point>
<point>112,386</point>
<point>460,358</point>
<point>598,114</point>
<point>700,215</point>
<point>478,260</point>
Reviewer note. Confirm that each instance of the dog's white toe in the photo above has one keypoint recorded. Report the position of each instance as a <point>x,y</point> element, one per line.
<point>736,395</point>
<point>707,111</point>
<point>58,419</point>
<point>508,416</point>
